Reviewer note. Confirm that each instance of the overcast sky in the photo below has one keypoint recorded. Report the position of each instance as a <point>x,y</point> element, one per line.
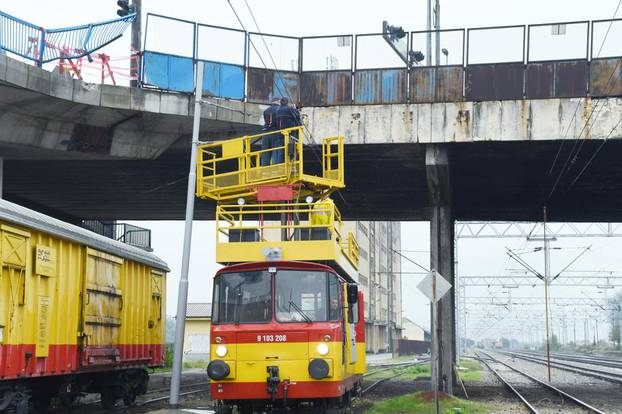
<point>321,17</point>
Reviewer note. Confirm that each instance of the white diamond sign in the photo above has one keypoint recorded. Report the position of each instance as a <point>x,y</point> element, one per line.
<point>426,286</point>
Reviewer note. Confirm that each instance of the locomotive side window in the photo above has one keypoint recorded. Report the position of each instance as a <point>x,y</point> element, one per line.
<point>243,297</point>
<point>353,313</point>
<point>306,296</point>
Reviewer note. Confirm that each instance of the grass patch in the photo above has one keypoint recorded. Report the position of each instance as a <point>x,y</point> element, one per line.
<point>470,370</point>
<point>423,402</point>
<point>424,370</point>
<point>195,363</point>
<point>410,373</point>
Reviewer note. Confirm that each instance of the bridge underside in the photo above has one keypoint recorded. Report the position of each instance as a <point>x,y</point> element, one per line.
<point>490,181</point>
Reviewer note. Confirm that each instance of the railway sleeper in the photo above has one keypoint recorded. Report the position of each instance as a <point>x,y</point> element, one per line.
<point>19,396</point>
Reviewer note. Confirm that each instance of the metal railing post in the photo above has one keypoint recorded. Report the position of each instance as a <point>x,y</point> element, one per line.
<point>41,48</point>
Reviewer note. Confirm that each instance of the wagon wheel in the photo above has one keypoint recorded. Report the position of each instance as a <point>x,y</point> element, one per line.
<point>108,397</point>
<point>223,409</point>
<point>6,397</point>
<point>66,400</point>
<point>129,398</point>
<point>42,403</point>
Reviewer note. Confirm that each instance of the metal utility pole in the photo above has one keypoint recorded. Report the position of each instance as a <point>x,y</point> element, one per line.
<point>429,35</point>
<point>437,27</point>
<point>390,309</point>
<point>1,175</point>
<point>135,48</point>
<point>182,297</point>
<point>547,275</point>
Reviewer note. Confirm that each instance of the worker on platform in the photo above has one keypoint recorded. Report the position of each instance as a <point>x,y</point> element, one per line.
<point>269,142</point>
<point>287,117</point>
<point>320,216</point>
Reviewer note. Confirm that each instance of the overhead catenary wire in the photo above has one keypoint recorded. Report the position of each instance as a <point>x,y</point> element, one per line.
<point>277,85</point>
<point>591,159</point>
<point>411,260</point>
<point>577,138</point>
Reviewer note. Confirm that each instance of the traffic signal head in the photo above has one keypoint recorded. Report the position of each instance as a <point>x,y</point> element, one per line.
<point>125,8</point>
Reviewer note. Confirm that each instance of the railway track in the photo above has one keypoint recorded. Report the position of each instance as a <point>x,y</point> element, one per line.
<point>584,359</point>
<point>533,398</point>
<point>589,372</point>
<point>402,370</point>
<point>92,406</point>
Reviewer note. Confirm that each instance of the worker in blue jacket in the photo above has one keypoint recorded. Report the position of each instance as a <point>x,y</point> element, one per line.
<point>287,116</point>
<point>270,141</point>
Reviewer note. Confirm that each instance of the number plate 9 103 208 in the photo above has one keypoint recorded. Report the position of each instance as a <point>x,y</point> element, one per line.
<point>272,338</point>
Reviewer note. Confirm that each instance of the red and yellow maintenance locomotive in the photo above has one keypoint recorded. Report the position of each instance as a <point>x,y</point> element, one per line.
<point>284,333</point>
<point>287,318</point>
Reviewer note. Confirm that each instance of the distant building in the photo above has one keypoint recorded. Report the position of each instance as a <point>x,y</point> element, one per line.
<point>196,336</point>
<point>380,280</point>
<point>414,332</point>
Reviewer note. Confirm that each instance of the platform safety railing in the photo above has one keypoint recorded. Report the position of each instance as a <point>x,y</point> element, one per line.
<point>285,222</point>
<point>234,168</point>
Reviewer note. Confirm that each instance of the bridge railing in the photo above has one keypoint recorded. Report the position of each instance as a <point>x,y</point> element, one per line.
<point>538,61</point>
<point>45,45</point>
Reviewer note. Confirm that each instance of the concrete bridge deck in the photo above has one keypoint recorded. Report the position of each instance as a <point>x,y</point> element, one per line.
<point>79,151</point>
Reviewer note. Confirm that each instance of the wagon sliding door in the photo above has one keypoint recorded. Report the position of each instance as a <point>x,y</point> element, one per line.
<point>102,306</point>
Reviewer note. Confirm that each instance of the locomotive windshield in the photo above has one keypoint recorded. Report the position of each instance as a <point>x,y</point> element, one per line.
<point>301,296</point>
<point>309,296</point>
<point>244,297</point>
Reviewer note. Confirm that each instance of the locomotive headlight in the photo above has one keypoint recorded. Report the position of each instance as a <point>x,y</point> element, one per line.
<point>322,349</point>
<point>221,350</point>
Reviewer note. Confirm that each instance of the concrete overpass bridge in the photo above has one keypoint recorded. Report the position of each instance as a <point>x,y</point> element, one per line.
<point>79,151</point>
<point>469,140</point>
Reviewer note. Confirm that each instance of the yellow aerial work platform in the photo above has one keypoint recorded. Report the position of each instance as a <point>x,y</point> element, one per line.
<point>285,231</point>
<point>233,168</point>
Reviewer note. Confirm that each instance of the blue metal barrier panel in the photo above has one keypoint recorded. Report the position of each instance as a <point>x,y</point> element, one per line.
<point>223,80</point>
<point>380,86</point>
<point>180,74</point>
<point>155,67</point>
<point>173,73</point>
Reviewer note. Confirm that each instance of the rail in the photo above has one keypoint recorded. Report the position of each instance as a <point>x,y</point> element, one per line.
<point>535,61</point>
<point>286,222</point>
<point>41,45</point>
<point>544,384</point>
<point>588,372</point>
<point>234,168</point>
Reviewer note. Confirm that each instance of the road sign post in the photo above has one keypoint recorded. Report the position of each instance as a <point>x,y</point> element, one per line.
<point>434,286</point>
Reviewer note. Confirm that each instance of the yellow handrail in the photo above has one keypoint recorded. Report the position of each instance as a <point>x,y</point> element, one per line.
<point>233,168</point>
<point>265,222</point>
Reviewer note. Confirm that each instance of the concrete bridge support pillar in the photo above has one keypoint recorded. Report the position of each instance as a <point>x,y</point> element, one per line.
<point>442,260</point>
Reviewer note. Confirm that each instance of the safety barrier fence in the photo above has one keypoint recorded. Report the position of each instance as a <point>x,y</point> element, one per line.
<point>565,59</point>
<point>236,167</point>
<point>552,60</point>
<point>285,222</point>
<point>45,45</point>
<point>123,232</point>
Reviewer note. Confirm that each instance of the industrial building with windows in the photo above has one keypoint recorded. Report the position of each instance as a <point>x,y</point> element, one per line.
<point>379,277</point>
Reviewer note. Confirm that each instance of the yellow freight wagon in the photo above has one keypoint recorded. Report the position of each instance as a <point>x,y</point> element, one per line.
<point>79,312</point>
